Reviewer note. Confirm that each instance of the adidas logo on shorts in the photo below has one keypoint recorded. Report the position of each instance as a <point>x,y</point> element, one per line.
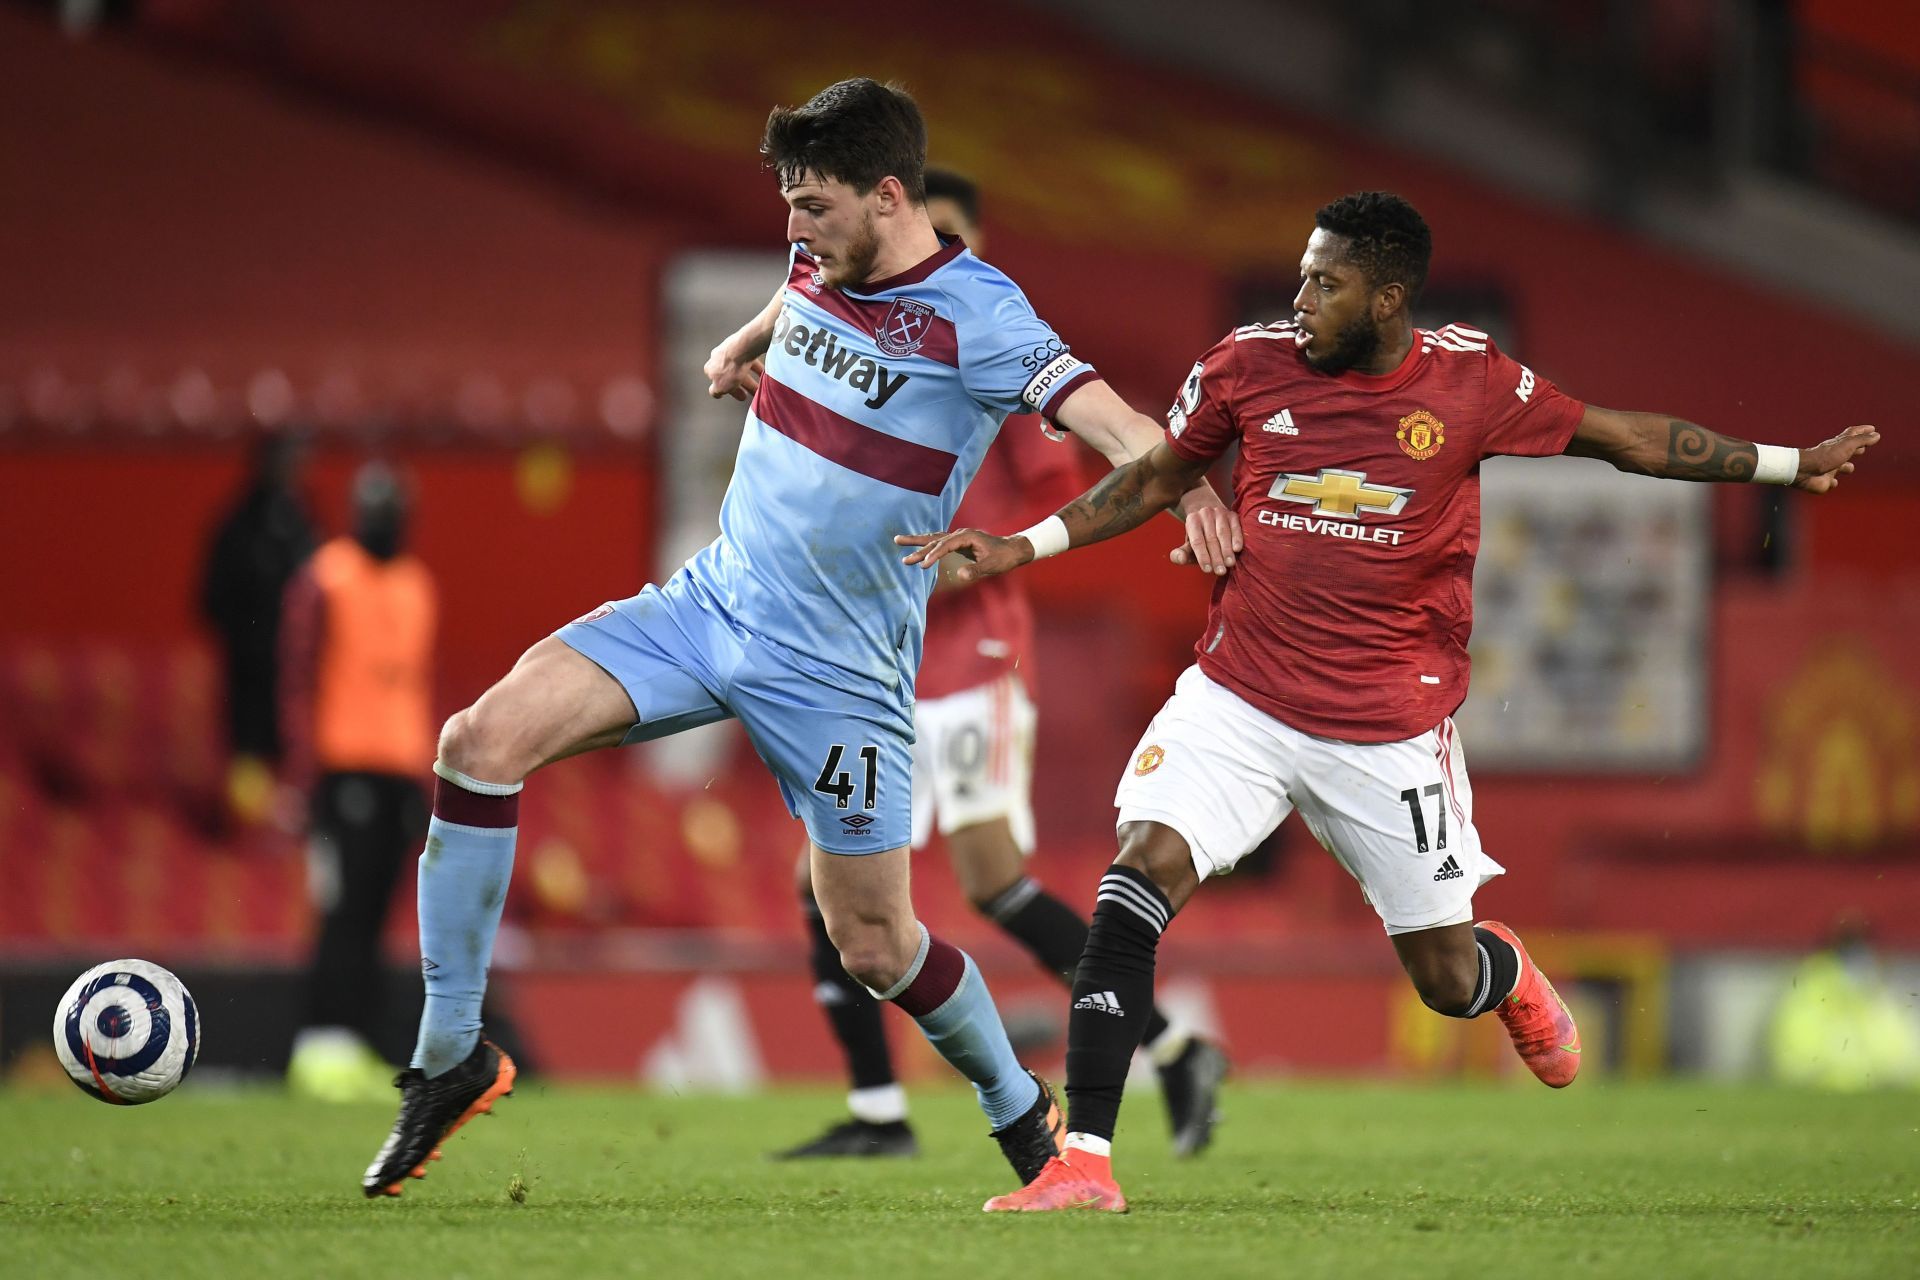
<point>1449,870</point>
<point>1104,1001</point>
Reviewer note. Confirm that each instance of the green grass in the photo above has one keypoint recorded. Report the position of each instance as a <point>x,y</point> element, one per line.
<point>1305,1180</point>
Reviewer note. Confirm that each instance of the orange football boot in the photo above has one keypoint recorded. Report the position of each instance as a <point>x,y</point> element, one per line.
<point>1537,1019</point>
<point>1076,1180</point>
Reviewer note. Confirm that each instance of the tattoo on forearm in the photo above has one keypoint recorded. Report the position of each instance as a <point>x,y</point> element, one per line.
<point>1695,453</point>
<point>1118,503</point>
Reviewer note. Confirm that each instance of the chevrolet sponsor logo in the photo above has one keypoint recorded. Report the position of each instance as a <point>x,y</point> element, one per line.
<point>1342,495</point>
<point>1338,498</point>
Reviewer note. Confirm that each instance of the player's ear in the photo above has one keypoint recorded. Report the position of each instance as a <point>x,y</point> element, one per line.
<point>890,196</point>
<point>1388,300</point>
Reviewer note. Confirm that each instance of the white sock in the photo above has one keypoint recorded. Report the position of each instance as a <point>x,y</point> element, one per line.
<point>882,1104</point>
<point>1091,1145</point>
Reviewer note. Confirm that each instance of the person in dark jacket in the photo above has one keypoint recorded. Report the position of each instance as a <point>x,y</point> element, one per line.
<point>256,549</point>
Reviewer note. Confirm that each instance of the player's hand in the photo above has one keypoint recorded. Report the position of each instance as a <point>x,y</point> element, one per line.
<point>1214,540</point>
<point>982,554</point>
<point>729,375</point>
<point>1822,466</point>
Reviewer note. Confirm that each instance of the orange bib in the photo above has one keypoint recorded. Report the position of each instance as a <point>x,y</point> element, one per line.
<point>373,693</point>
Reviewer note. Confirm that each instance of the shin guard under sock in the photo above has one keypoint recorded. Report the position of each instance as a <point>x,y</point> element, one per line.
<point>1112,997</point>
<point>1054,933</point>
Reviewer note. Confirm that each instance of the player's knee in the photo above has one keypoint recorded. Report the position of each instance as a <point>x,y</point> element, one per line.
<point>873,964</point>
<point>469,743</point>
<point>986,859</point>
<point>456,740</point>
<point>986,895</point>
<point>875,950</point>
<point>869,950</point>
<point>1161,854</point>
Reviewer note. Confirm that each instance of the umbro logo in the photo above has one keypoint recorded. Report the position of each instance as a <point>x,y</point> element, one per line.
<point>1281,424</point>
<point>1102,1001</point>
<point>858,821</point>
<point>1449,870</point>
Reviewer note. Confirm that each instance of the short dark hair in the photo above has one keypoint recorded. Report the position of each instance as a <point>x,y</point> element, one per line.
<point>1386,237</point>
<point>945,184</point>
<point>857,131</point>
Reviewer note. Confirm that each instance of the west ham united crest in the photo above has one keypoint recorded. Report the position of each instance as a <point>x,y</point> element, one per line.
<point>1421,435</point>
<point>904,327</point>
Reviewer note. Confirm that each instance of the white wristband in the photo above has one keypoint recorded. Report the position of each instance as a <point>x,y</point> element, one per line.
<point>1776,465</point>
<point>1049,537</point>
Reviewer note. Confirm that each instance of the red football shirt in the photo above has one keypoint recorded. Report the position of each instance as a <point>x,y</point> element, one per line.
<point>1348,614</point>
<point>978,633</point>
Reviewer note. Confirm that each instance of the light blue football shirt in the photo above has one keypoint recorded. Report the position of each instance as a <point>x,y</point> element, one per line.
<point>876,409</point>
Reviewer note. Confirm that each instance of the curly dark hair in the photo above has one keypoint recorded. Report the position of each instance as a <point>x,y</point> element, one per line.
<point>857,131</point>
<point>1386,237</point>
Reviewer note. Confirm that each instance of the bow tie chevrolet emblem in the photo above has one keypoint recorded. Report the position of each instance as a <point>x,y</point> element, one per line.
<point>904,327</point>
<point>1340,494</point>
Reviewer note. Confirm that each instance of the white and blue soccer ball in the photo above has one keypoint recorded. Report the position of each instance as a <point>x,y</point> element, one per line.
<point>127,1032</point>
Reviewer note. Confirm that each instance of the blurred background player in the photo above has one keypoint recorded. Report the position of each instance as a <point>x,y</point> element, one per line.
<point>1335,652</point>
<point>258,546</point>
<point>1840,1024</point>
<point>357,684</point>
<point>973,778</point>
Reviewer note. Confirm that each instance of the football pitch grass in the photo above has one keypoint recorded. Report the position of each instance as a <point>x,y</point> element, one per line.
<point>1304,1180</point>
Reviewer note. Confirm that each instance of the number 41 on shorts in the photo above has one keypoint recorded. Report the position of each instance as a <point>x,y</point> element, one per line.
<point>838,783</point>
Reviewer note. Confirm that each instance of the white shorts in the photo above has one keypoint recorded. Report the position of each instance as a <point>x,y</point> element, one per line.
<point>973,760</point>
<point>1397,815</point>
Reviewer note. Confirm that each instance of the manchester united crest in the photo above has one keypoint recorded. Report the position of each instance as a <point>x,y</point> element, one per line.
<point>1420,435</point>
<point>1148,761</point>
<point>904,327</point>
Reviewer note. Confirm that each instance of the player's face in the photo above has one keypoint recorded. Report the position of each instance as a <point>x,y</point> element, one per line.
<point>949,219</point>
<point>835,222</point>
<point>1334,307</point>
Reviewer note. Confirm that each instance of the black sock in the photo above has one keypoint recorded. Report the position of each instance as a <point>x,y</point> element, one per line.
<point>850,1007</point>
<point>1054,933</point>
<point>1112,997</point>
<point>1499,971</point>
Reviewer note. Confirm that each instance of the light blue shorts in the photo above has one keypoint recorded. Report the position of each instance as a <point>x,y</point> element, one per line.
<point>843,759</point>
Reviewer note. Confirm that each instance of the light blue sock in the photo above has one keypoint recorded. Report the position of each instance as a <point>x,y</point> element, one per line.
<point>967,1032</point>
<point>463,887</point>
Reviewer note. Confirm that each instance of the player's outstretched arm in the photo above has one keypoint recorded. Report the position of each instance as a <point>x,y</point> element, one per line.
<point>1098,416</point>
<point>1126,498</point>
<point>734,367</point>
<point>1653,444</point>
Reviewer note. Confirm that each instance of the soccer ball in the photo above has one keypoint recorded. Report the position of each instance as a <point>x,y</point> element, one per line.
<point>127,1032</point>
